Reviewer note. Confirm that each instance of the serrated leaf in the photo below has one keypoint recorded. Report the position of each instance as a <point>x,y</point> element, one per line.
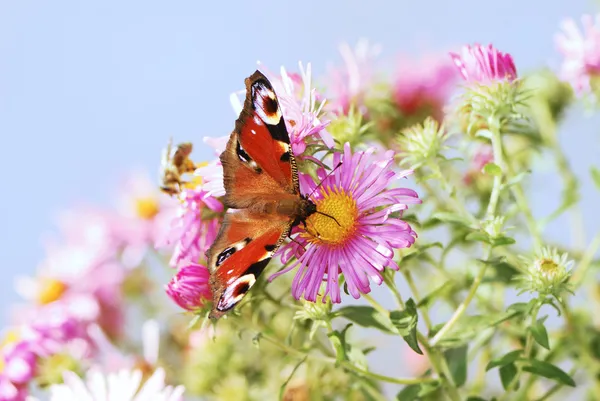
<point>595,176</point>
<point>504,360</point>
<point>507,374</point>
<point>448,217</point>
<point>457,363</point>
<point>406,323</point>
<point>367,316</point>
<point>549,371</point>
<point>492,169</point>
<point>540,335</point>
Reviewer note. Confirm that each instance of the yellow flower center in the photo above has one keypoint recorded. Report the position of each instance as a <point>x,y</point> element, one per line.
<point>146,208</point>
<point>336,219</point>
<point>51,290</point>
<point>547,267</point>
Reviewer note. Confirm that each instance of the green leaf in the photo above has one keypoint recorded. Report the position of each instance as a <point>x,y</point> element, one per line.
<point>409,393</point>
<point>338,341</point>
<point>504,360</point>
<point>492,169</point>
<point>549,371</point>
<point>406,323</point>
<point>595,176</point>
<point>475,398</point>
<point>478,236</point>
<point>507,374</point>
<point>415,392</point>
<point>457,363</point>
<point>367,316</point>
<point>539,333</point>
<point>522,308</point>
<point>455,218</point>
<point>501,241</point>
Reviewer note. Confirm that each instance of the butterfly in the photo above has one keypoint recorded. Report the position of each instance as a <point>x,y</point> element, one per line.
<point>260,177</point>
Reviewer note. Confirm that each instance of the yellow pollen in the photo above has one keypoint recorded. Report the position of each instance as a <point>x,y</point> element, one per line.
<point>51,290</point>
<point>146,208</point>
<point>547,266</point>
<point>324,229</point>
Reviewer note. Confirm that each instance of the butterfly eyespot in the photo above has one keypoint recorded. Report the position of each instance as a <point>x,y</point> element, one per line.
<point>224,255</point>
<point>265,103</point>
<point>235,292</point>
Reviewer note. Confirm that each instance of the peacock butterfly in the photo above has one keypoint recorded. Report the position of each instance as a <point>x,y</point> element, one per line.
<point>260,177</point>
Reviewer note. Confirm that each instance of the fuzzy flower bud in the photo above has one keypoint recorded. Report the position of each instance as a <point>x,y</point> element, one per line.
<point>189,288</point>
<point>493,90</point>
<point>422,143</point>
<point>546,273</point>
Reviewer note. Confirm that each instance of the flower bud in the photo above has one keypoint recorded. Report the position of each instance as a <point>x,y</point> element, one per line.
<point>189,288</point>
<point>546,273</point>
<point>422,143</point>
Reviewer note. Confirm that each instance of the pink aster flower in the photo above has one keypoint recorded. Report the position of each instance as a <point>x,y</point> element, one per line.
<point>348,85</point>
<point>18,362</point>
<point>189,288</point>
<point>300,107</point>
<point>581,51</point>
<point>192,232</point>
<point>9,391</point>
<point>361,231</point>
<point>484,65</point>
<point>423,86</point>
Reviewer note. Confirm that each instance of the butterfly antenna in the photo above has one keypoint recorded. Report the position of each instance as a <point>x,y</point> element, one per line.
<point>330,216</point>
<point>323,180</point>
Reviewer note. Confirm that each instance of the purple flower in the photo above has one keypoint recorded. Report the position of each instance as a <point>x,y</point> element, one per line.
<point>581,51</point>
<point>189,288</point>
<point>356,230</point>
<point>484,65</point>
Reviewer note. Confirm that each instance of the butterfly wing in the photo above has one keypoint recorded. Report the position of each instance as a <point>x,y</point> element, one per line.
<point>258,163</point>
<point>242,250</point>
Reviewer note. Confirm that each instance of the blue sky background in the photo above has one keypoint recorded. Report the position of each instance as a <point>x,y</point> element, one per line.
<point>90,90</point>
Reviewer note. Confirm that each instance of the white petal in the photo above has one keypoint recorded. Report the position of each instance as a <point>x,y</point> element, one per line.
<point>151,340</point>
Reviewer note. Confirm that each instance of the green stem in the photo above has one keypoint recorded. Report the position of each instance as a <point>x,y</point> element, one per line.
<point>417,297</point>
<point>292,351</point>
<point>585,263</point>
<point>464,304</point>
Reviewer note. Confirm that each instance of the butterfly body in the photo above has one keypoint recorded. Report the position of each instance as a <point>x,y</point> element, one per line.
<point>260,177</point>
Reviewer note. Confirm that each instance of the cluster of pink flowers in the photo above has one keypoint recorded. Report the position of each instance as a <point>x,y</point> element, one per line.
<point>79,283</point>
